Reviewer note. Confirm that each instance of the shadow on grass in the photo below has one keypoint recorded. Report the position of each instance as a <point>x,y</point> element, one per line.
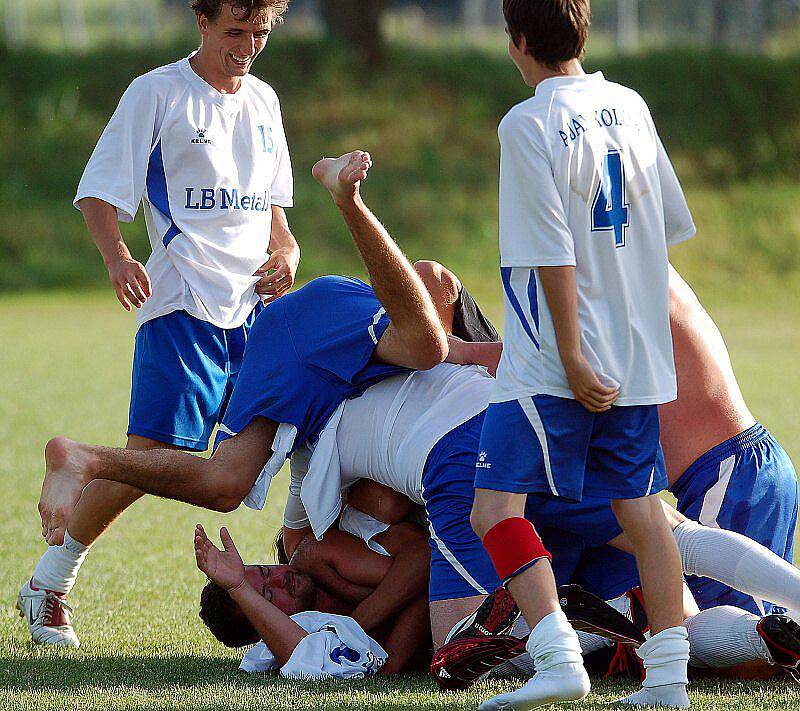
<point>48,670</point>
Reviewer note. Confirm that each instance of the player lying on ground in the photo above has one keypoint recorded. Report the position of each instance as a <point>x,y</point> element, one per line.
<point>369,428</point>
<point>339,576</point>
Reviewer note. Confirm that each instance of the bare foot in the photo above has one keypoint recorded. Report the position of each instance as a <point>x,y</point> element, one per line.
<point>67,465</point>
<point>342,176</point>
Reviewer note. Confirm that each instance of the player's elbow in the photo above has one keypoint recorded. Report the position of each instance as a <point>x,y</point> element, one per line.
<point>431,350</point>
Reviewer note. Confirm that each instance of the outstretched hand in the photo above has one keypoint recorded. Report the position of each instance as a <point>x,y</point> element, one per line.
<point>224,567</point>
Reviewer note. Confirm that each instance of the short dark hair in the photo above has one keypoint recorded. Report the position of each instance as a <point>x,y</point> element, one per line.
<point>212,8</point>
<point>555,30</point>
<point>224,618</point>
<point>280,549</point>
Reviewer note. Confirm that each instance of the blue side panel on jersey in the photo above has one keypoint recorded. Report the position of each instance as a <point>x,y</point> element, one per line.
<point>505,275</point>
<point>533,298</point>
<point>157,191</point>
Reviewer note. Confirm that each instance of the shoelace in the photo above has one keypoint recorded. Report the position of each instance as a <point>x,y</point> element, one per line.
<point>47,611</point>
<point>625,662</point>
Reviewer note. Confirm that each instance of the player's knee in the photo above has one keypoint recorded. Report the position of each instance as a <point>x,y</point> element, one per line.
<point>481,520</point>
<point>438,279</point>
<point>227,496</point>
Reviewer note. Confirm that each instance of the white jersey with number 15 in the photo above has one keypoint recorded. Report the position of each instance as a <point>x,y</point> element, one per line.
<point>585,182</point>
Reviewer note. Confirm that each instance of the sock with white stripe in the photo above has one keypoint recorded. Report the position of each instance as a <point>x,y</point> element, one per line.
<point>724,637</point>
<point>58,567</point>
<point>739,562</point>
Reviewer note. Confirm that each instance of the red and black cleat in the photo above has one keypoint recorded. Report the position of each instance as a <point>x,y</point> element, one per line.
<point>781,634</point>
<point>588,613</point>
<point>496,615</point>
<point>464,660</point>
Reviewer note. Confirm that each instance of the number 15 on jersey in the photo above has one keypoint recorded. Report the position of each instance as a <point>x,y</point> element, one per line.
<point>610,209</point>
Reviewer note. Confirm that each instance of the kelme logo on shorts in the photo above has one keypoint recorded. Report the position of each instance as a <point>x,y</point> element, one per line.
<point>482,463</point>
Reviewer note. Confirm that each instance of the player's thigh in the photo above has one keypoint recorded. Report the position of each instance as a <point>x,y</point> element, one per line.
<point>445,614</point>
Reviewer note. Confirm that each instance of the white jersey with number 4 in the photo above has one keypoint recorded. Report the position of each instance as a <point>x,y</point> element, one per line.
<point>585,182</point>
<point>207,167</point>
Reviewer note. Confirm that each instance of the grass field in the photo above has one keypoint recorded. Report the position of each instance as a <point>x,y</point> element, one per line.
<point>65,361</point>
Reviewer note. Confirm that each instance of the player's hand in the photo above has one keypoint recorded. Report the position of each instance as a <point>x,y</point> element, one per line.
<point>225,566</point>
<point>130,281</point>
<point>277,274</point>
<point>586,386</point>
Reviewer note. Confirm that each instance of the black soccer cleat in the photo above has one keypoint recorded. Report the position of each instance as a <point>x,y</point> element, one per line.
<point>461,662</point>
<point>588,613</point>
<point>781,634</point>
<point>496,615</point>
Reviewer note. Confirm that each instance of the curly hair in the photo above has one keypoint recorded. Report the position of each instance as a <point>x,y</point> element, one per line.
<point>224,619</point>
<point>212,8</point>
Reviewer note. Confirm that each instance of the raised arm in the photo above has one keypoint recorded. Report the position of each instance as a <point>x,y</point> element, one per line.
<point>225,568</point>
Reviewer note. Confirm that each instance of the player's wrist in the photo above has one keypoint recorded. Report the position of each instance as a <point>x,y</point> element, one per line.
<point>238,588</point>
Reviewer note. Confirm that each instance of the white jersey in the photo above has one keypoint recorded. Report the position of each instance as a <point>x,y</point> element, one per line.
<point>208,167</point>
<point>336,647</point>
<point>387,433</point>
<point>585,182</point>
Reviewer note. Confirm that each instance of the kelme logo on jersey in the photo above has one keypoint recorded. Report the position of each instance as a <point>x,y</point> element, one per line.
<point>225,199</point>
<point>202,138</point>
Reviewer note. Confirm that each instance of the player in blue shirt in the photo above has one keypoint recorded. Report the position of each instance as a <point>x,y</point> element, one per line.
<point>295,372</point>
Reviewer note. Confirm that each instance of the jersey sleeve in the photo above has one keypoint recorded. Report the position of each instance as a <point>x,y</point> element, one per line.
<point>282,192</point>
<point>117,170</point>
<point>534,231</point>
<point>678,220</point>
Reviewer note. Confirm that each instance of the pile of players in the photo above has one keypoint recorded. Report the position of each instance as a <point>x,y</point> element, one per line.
<point>442,481</point>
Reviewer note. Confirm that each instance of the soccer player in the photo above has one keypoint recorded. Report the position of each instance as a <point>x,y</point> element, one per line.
<point>334,580</point>
<point>200,143</point>
<point>589,204</point>
<point>306,353</point>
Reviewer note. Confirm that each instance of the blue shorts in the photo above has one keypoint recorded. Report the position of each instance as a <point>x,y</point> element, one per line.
<point>551,445</point>
<point>575,533</point>
<point>604,571</point>
<point>747,484</point>
<point>308,352</point>
<point>184,370</point>
<point>460,565</point>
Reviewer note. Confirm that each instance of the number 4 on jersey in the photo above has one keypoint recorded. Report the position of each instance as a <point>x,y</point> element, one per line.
<point>610,211</point>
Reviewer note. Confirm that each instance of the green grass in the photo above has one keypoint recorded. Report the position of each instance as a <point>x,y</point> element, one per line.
<point>430,120</point>
<point>65,361</point>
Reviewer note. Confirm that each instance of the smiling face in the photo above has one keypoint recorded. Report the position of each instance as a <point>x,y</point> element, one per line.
<point>231,44</point>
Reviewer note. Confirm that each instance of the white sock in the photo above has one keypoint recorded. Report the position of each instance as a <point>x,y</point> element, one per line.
<point>560,676</point>
<point>553,641</point>
<point>665,657</point>
<point>739,562</point>
<point>58,567</point>
<point>593,642</point>
<point>724,637</point>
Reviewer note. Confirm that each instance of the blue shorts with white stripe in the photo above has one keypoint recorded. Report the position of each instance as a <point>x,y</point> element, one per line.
<point>552,445</point>
<point>747,484</point>
<point>460,565</point>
